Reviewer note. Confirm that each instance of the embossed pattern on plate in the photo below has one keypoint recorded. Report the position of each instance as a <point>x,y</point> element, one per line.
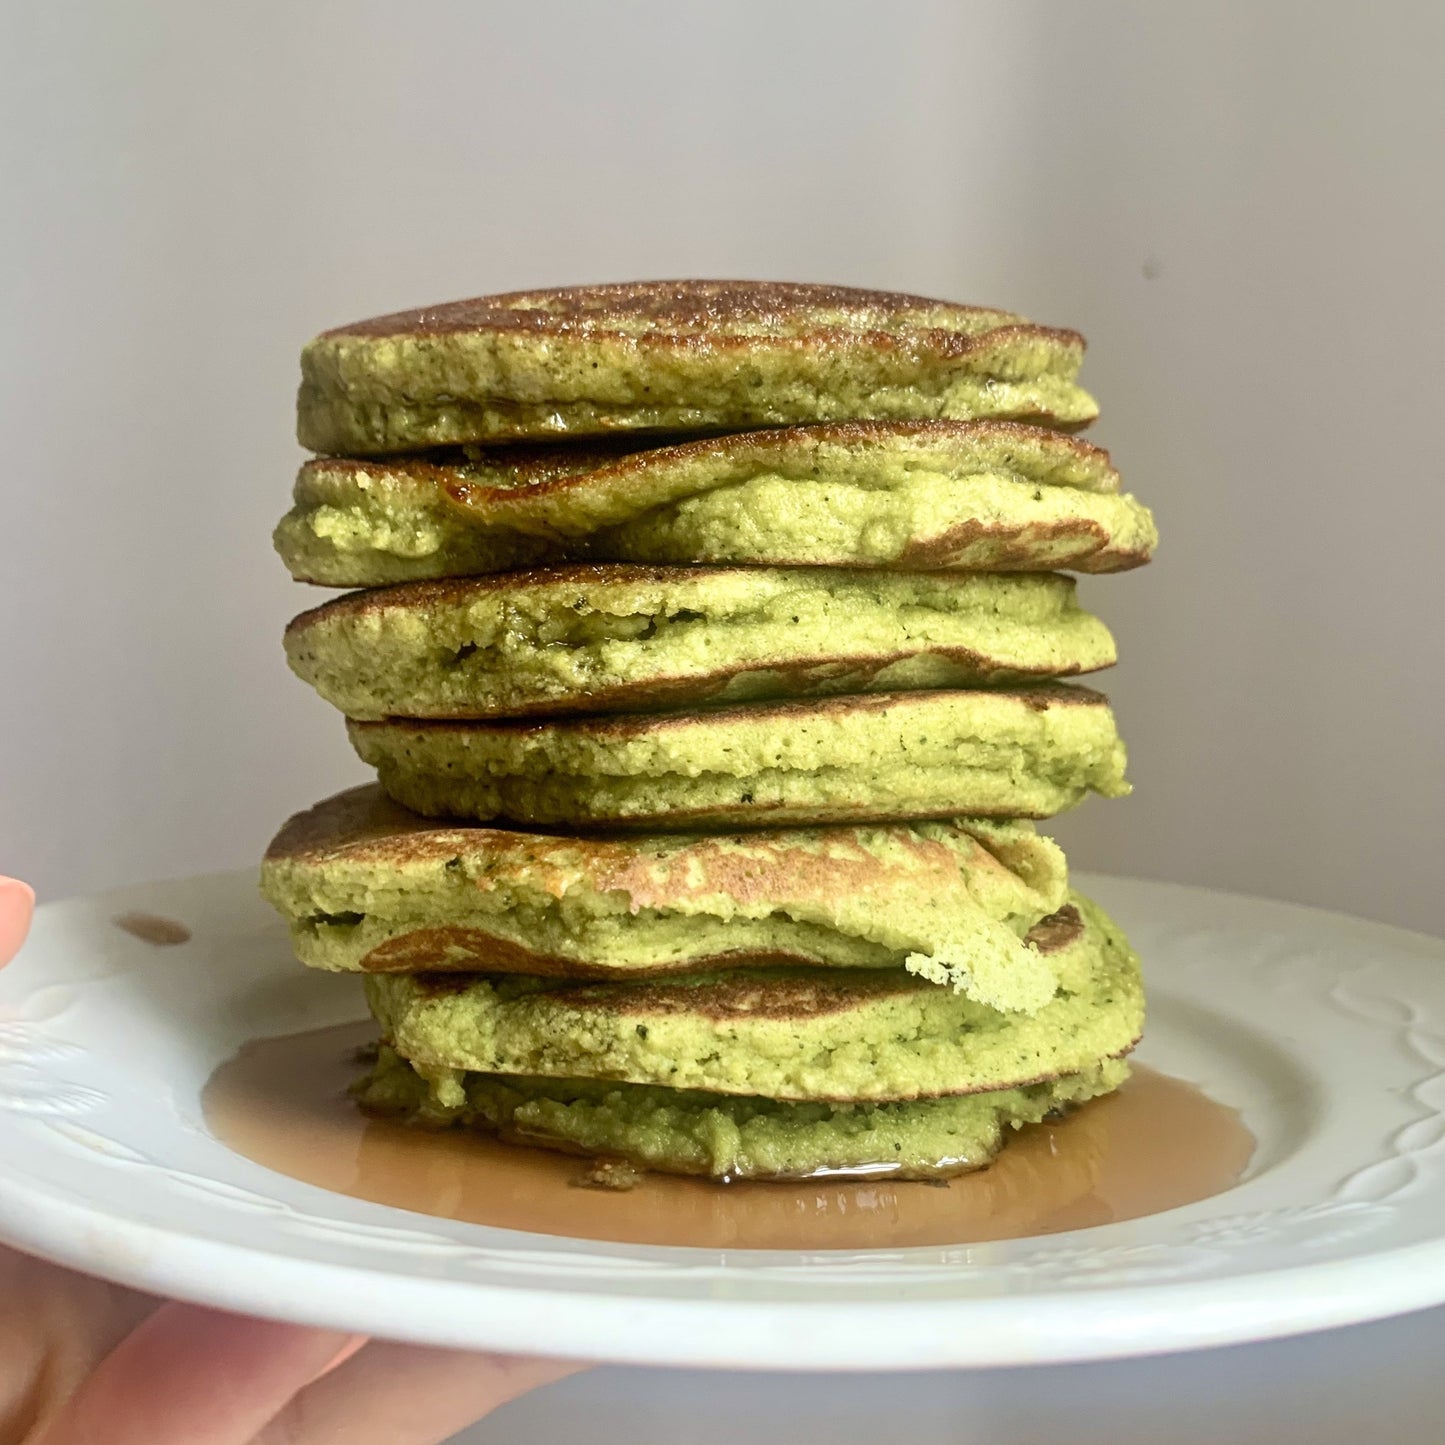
<point>1327,1032</point>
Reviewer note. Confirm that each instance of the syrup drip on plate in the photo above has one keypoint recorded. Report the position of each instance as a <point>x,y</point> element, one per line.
<point>1156,1144</point>
<point>152,928</point>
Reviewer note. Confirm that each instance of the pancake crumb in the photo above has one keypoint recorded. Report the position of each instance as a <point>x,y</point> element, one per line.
<point>614,1174</point>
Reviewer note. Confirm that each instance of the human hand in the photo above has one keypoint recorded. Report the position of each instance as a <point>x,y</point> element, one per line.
<point>83,1362</point>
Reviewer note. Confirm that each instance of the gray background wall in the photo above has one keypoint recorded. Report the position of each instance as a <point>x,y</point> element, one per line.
<point>1239,204</point>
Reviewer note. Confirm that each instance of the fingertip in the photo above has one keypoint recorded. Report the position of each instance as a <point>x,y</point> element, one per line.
<point>16,892</point>
<point>17,906</point>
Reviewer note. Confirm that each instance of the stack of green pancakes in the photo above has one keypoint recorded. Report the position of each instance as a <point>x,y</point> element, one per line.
<point>709,655</point>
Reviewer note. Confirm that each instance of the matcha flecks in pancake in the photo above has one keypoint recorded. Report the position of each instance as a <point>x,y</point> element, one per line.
<point>1029,752</point>
<point>676,356</point>
<point>722,1136</point>
<point>595,639</point>
<point>967,496</point>
<point>366,885</point>
<point>800,1034</point>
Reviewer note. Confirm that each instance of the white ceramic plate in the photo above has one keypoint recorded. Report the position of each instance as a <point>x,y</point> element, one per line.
<point>1327,1032</point>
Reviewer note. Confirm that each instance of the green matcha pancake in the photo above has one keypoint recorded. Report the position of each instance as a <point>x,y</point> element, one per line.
<point>787,1033</point>
<point>366,885</point>
<point>676,356</point>
<point>1025,753</point>
<point>966,496</point>
<point>729,1136</point>
<point>633,639</point>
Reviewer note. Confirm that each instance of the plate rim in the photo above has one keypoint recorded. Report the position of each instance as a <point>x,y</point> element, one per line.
<point>1086,1325</point>
<point>1040,1327</point>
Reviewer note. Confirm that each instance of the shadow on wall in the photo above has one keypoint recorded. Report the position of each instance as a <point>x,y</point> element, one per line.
<point>1230,207</point>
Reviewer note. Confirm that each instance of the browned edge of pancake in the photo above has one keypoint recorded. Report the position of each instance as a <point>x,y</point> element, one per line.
<point>544,469</point>
<point>1038,697</point>
<point>428,592</point>
<point>695,312</point>
<point>671,694</point>
<point>455,949</point>
<point>795,993</point>
<point>1014,547</point>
